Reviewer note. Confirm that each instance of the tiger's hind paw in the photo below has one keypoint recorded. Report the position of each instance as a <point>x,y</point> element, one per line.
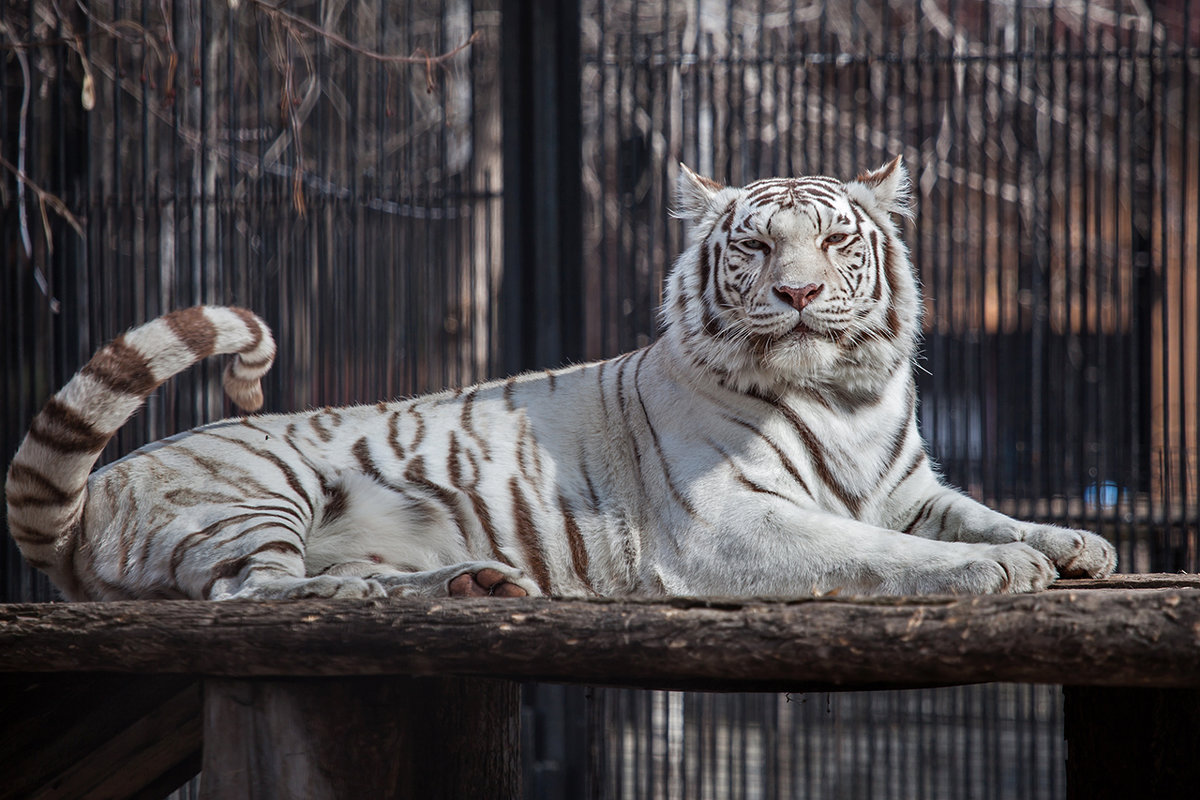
<point>321,586</point>
<point>468,579</point>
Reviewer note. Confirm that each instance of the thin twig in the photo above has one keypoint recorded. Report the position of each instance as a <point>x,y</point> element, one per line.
<point>113,28</point>
<point>44,196</point>
<point>22,120</point>
<point>291,19</point>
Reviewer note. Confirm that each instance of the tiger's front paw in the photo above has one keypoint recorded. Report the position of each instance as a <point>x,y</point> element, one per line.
<point>974,568</point>
<point>1007,568</point>
<point>1076,554</point>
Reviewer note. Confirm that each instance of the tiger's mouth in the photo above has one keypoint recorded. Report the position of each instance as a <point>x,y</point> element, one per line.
<point>801,330</point>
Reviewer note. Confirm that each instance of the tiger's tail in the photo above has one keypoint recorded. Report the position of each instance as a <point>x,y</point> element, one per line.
<point>47,481</point>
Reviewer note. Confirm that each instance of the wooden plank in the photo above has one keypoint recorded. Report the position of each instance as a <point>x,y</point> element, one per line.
<point>1151,580</point>
<point>330,738</point>
<point>93,736</point>
<point>1124,743</point>
<point>1085,636</point>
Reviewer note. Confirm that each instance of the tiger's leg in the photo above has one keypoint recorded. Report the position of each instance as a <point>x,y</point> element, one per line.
<point>769,546</point>
<point>467,579</point>
<point>252,556</point>
<point>935,511</point>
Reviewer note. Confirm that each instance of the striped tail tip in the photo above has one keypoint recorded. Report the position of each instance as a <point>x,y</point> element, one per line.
<point>246,392</point>
<point>254,356</point>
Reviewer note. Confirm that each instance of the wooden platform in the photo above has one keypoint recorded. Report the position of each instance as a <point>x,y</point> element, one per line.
<point>330,697</point>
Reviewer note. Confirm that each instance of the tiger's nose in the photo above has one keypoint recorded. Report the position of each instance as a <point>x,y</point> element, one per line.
<point>798,297</point>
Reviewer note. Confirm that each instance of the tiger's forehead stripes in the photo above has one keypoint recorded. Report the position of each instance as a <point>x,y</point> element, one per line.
<point>822,200</point>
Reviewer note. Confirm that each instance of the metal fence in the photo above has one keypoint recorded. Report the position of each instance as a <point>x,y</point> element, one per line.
<point>240,156</point>
<point>1055,149</point>
<point>378,212</point>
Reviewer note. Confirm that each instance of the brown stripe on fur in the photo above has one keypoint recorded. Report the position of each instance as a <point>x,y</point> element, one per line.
<point>60,427</point>
<point>537,453</point>
<point>26,535</point>
<point>289,474</point>
<point>741,478</point>
<point>941,526</point>
<point>900,437</point>
<point>453,462</point>
<point>233,567</point>
<point>527,536</point>
<point>705,266</point>
<point>194,329</point>
<point>252,326</point>
<point>393,437</point>
<point>894,323</point>
<point>816,450</point>
<point>218,470</point>
<point>593,498</point>
<point>337,503</point>
<point>662,459</point>
<point>36,488</point>
<point>121,368</point>
<point>919,517</point>
<point>318,427</point>
<point>728,213</point>
<point>522,455</point>
<point>600,389</point>
<point>917,461</point>
<point>579,554</point>
<point>415,474</point>
<point>877,292</point>
<point>468,425</point>
<point>185,545</point>
<point>362,453</point>
<point>821,195</point>
<point>508,394</point>
<point>482,512</point>
<point>620,364</point>
<point>191,496</point>
<point>243,363</point>
<point>290,512</point>
<point>419,434</point>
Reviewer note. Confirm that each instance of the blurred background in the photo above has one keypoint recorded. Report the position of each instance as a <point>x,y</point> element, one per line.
<point>423,194</point>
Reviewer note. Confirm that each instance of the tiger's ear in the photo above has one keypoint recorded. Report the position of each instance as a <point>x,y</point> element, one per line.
<point>694,194</point>
<point>887,189</point>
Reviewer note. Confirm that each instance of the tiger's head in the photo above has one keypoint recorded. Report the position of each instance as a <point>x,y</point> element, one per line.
<point>795,282</point>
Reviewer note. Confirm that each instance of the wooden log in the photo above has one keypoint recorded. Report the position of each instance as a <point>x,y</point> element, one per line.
<point>1095,636</point>
<point>1124,743</point>
<point>330,738</point>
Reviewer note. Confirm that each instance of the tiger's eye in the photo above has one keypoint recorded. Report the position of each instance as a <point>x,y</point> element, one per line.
<point>755,244</point>
<point>836,238</point>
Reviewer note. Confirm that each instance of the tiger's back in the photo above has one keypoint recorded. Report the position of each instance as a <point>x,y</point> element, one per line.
<point>765,444</point>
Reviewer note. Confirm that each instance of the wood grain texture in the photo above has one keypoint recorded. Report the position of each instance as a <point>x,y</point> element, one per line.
<point>1086,636</point>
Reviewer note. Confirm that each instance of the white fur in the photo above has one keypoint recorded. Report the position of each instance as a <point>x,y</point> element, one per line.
<point>759,447</point>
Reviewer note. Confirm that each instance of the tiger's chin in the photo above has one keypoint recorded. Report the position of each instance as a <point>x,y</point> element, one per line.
<point>800,356</point>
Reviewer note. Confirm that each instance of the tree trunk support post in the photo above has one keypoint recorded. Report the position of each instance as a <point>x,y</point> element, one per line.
<point>378,736</point>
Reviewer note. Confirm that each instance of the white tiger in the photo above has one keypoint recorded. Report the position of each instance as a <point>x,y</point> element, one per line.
<point>765,444</point>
